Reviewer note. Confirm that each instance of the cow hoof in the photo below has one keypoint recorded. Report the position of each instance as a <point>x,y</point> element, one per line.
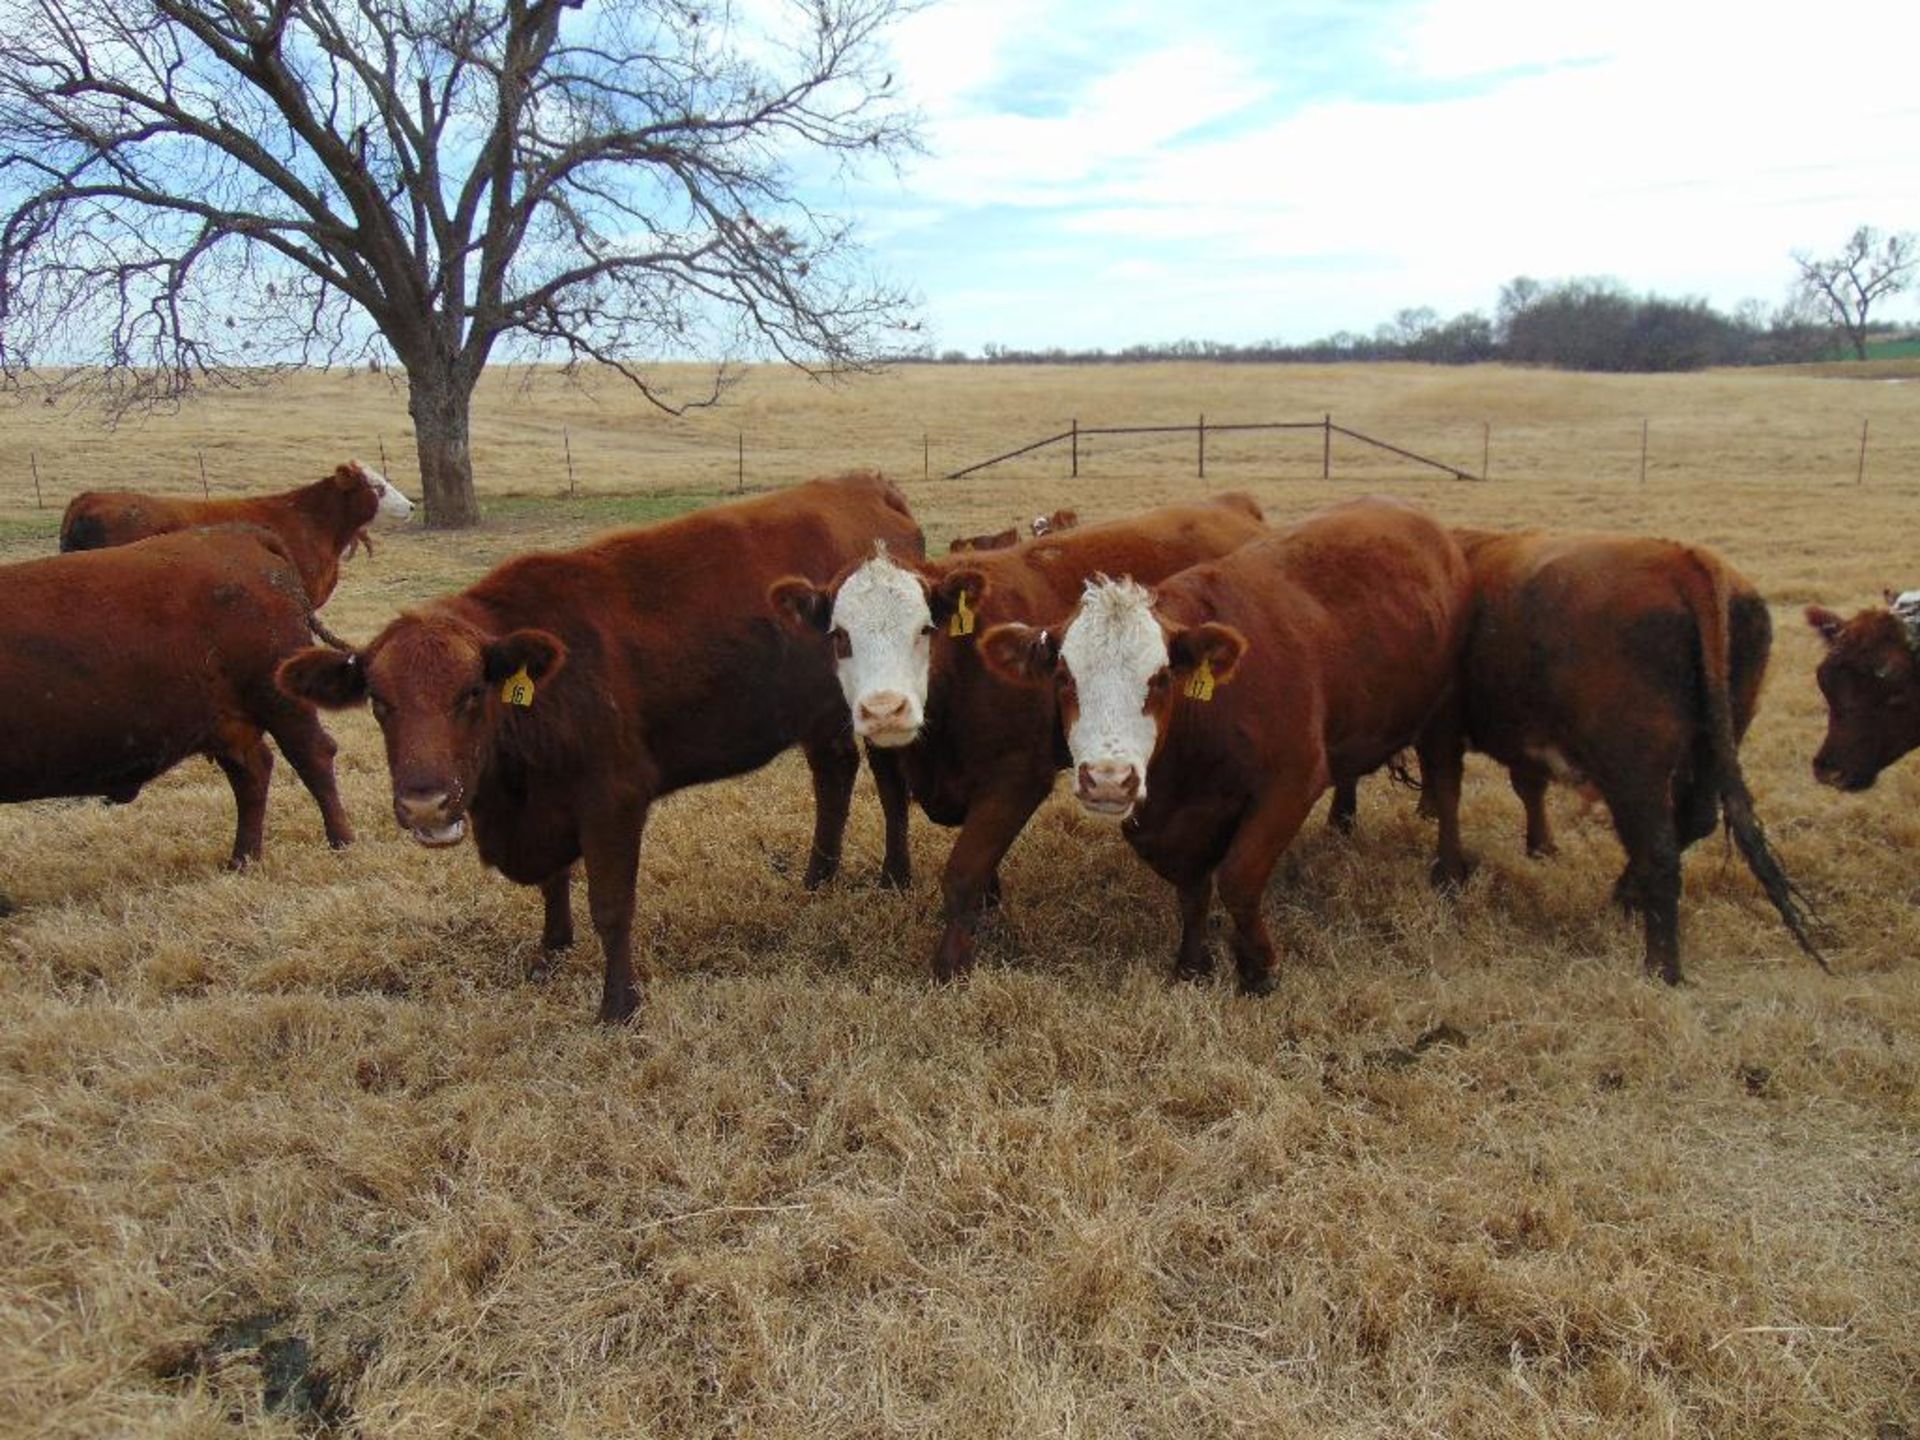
<point>1185,974</point>
<point>619,1014</point>
<point>1451,879</point>
<point>901,879</point>
<point>1546,850</point>
<point>819,874</point>
<point>1258,986</point>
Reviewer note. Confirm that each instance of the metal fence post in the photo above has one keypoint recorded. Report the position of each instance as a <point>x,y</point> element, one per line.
<point>1860,476</point>
<point>1326,447</point>
<point>1076,447</point>
<point>1203,445</point>
<point>1643,452</point>
<point>566,440</point>
<point>33,459</point>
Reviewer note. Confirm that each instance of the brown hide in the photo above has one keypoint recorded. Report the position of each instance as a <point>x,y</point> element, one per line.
<point>119,664</point>
<point>1870,679</point>
<point>990,749</point>
<point>316,523</point>
<point>1353,621</point>
<point>1633,666</point>
<point>655,665</point>
<point>999,540</point>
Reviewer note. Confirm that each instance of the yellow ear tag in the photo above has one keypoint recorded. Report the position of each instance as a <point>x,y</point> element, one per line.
<point>962,621</point>
<point>1200,683</point>
<point>519,688</point>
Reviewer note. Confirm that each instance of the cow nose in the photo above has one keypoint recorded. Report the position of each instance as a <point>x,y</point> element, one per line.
<point>885,708</point>
<point>421,805</point>
<point>1108,782</point>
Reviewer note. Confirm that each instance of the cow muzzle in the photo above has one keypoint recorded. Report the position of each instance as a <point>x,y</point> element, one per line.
<point>1839,777</point>
<point>887,718</point>
<point>1108,787</point>
<point>429,817</point>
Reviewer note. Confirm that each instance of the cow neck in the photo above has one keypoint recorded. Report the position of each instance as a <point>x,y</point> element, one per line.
<point>324,527</point>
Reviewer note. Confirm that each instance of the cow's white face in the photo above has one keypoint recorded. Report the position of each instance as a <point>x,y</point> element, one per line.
<point>1114,679</point>
<point>882,632</point>
<point>393,504</point>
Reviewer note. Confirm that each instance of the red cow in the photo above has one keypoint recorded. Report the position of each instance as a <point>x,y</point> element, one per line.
<point>1208,716</point>
<point>1056,522</point>
<point>1870,677</point>
<point>977,752</point>
<point>1000,540</point>
<point>319,524</point>
<point>1632,666</point>
<point>557,698</point>
<point>118,665</point>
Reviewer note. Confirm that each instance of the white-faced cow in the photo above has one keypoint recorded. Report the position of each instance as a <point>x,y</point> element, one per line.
<point>1209,714</point>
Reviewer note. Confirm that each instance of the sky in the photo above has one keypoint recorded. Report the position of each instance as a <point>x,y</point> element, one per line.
<point>1111,172</point>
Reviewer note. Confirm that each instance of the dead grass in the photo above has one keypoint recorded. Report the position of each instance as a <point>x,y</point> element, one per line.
<point>300,1149</point>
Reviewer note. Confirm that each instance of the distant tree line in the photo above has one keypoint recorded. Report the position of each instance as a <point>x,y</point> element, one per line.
<point>1579,324</point>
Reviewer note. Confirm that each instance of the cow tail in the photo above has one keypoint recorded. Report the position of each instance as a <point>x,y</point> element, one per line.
<point>325,635</point>
<point>1711,604</point>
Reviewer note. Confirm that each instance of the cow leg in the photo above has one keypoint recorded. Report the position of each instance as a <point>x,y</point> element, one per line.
<point>1195,961</point>
<point>890,779</point>
<point>1242,879</point>
<point>1651,881</point>
<point>835,763</point>
<point>610,845</point>
<point>1443,753</point>
<point>310,750</point>
<point>248,765</point>
<point>1530,783</point>
<point>1346,804</point>
<point>556,928</point>
<point>1696,796</point>
<point>971,879</point>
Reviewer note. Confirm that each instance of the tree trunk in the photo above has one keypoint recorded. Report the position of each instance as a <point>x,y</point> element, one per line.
<point>440,405</point>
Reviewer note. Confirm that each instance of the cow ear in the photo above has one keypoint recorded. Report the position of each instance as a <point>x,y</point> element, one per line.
<point>1020,653</point>
<point>347,476</point>
<point>801,603</point>
<point>535,651</point>
<point>1826,622</point>
<point>954,599</point>
<point>331,679</point>
<point>1215,647</point>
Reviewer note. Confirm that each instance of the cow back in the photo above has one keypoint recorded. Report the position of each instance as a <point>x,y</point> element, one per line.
<point>119,663</point>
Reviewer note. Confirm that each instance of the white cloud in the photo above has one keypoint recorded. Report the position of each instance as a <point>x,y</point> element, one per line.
<point>1685,148</point>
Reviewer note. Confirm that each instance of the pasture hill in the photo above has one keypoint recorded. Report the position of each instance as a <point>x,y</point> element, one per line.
<point>302,1150</point>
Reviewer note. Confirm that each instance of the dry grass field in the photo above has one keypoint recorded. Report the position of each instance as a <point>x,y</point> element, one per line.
<point>300,1151</point>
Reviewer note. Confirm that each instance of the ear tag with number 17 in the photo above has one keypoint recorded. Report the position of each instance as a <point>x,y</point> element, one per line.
<point>1200,684</point>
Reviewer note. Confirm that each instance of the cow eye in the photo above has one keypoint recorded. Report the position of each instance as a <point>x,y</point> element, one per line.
<point>471,695</point>
<point>842,644</point>
<point>381,709</point>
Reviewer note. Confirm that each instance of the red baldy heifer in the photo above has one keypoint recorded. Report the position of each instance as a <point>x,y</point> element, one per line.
<point>1056,522</point>
<point>319,524</point>
<point>1632,666</point>
<point>969,544</point>
<point>118,665</point>
<point>1870,677</point>
<point>977,752</point>
<point>556,699</point>
<point>1208,715</point>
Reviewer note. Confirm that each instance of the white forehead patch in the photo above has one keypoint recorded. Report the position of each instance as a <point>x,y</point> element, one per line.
<point>883,612</point>
<point>393,504</point>
<point>1906,608</point>
<point>1112,649</point>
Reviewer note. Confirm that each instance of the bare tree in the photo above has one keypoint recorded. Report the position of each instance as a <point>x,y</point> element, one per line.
<point>200,191</point>
<point>1846,286</point>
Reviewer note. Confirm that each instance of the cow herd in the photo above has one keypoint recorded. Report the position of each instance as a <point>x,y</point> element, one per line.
<point>1204,676</point>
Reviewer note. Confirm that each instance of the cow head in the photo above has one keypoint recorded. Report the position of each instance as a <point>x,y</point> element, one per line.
<point>437,687</point>
<point>389,503</point>
<point>1120,670</point>
<point>882,619</point>
<point>1870,677</point>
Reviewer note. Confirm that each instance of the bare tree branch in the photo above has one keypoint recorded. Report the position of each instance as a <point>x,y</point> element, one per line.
<point>1845,287</point>
<point>196,190</point>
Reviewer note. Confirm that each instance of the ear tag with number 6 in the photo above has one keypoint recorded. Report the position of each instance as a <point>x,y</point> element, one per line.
<point>519,688</point>
<point>963,617</point>
<point>1200,683</point>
